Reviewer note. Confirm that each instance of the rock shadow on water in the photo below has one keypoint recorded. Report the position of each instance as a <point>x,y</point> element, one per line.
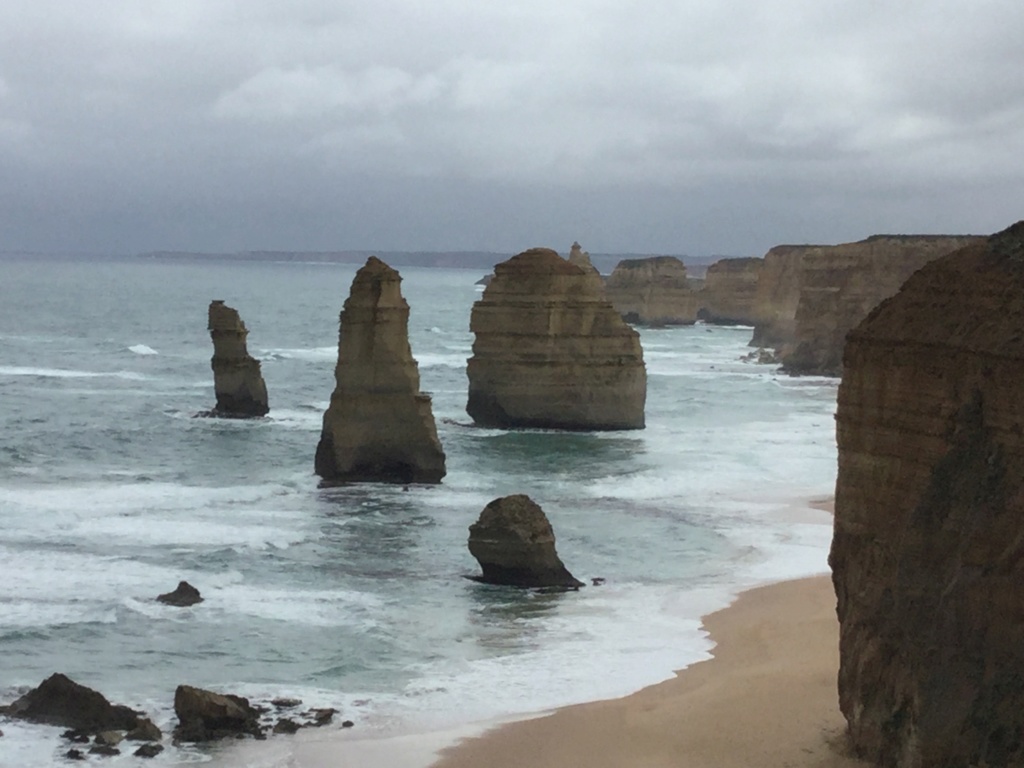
<point>507,618</point>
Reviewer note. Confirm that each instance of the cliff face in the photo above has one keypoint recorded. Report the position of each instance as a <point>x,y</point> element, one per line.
<point>729,294</point>
<point>928,550</point>
<point>841,284</point>
<point>777,295</point>
<point>379,426</point>
<point>550,351</point>
<point>237,381</point>
<point>652,291</point>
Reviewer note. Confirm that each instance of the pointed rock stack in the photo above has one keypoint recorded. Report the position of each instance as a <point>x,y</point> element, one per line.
<point>379,426</point>
<point>551,351</point>
<point>928,550</point>
<point>237,381</point>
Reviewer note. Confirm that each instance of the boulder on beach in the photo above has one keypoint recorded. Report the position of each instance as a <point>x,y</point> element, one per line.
<point>237,380</point>
<point>61,701</point>
<point>551,352</point>
<point>205,716</point>
<point>379,426</point>
<point>183,596</point>
<point>515,546</point>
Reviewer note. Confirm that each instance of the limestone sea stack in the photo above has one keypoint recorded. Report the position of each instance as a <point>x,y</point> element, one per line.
<point>379,426</point>
<point>515,545</point>
<point>928,550</point>
<point>729,294</point>
<point>551,351</point>
<point>653,291</point>
<point>237,381</point>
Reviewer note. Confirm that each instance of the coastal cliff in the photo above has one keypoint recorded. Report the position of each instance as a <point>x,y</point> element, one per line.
<point>777,295</point>
<point>928,550</point>
<point>729,294</point>
<point>379,426</point>
<point>237,381</point>
<point>551,351</point>
<point>652,291</point>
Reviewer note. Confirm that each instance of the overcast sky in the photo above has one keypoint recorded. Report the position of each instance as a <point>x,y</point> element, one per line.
<point>685,126</point>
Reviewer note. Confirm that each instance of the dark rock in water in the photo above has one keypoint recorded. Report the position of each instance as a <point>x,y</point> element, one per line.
<point>238,383</point>
<point>76,736</point>
<point>74,754</point>
<point>183,596</point>
<point>110,738</point>
<point>285,703</point>
<point>60,701</point>
<point>322,716</point>
<point>205,715</point>
<point>515,545</point>
<point>104,749</point>
<point>597,581</point>
<point>286,725</point>
<point>146,730</point>
<point>347,724</point>
<point>148,750</point>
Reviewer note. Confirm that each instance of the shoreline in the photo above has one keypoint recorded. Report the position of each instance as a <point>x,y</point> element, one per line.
<point>766,697</point>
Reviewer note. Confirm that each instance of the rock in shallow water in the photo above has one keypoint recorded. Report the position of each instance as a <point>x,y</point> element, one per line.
<point>238,383</point>
<point>515,545</point>
<point>183,596</point>
<point>204,715</point>
<point>61,701</point>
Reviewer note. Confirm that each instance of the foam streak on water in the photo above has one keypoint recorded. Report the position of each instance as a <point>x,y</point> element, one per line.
<point>110,493</point>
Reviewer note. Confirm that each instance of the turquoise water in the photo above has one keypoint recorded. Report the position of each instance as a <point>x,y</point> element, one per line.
<point>110,493</point>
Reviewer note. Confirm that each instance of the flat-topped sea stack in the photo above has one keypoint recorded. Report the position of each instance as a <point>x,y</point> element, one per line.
<point>237,381</point>
<point>840,284</point>
<point>729,294</point>
<point>515,545</point>
<point>928,550</point>
<point>777,296</point>
<point>652,291</point>
<point>551,351</point>
<point>379,426</point>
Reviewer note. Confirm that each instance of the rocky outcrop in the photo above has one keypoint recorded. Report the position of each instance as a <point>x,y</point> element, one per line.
<point>653,291</point>
<point>581,259</point>
<point>183,596</point>
<point>729,295</point>
<point>839,285</point>
<point>777,296</point>
<point>515,545</point>
<point>551,352</point>
<point>237,381</point>
<point>928,549</point>
<point>205,715</point>
<point>379,426</point>
<point>61,701</point>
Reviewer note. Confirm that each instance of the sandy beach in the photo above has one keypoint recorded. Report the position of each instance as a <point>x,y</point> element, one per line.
<point>767,698</point>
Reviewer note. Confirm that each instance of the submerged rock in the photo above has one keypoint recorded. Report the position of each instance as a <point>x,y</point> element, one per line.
<point>148,750</point>
<point>183,596</point>
<point>61,701</point>
<point>515,545</point>
<point>928,550</point>
<point>379,426</point>
<point>550,351</point>
<point>238,383</point>
<point>204,715</point>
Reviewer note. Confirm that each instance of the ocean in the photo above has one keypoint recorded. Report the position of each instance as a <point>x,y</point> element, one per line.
<point>357,597</point>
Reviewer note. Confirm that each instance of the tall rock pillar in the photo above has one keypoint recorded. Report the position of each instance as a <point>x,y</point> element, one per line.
<point>237,381</point>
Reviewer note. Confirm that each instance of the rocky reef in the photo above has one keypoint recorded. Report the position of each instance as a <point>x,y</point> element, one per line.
<point>515,545</point>
<point>729,294</point>
<point>928,550</point>
<point>551,351</point>
<point>237,381</point>
<point>379,426</point>
<point>653,291</point>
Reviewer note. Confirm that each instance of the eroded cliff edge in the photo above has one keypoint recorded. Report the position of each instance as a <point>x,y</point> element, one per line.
<point>928,549</point>
<point>379,426</point>
<point>550,351</point>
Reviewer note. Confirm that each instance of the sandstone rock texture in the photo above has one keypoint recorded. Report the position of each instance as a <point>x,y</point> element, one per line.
<point>515,545</point>
<point>840,284</point>
<point>551,351</point>
<point>379,426</point>
<point>928,549</point>
<point>653,291</point>
<point>238,383</point>
<point>204,715</point>
<point>59,700</point>
<point>777,296</point>
<point>729,295</point>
